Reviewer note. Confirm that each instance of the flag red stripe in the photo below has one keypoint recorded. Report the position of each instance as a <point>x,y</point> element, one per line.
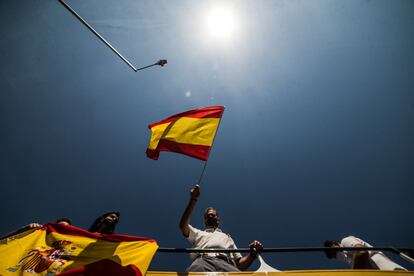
<point>103,267</point>
<point>206,112</point>
<point>75,231</point>
<point>196,151</point>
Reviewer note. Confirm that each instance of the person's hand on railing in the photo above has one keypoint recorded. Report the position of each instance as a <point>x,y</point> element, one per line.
<point>256,247</point>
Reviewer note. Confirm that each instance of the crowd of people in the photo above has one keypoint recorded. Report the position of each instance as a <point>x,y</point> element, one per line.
<point>212,237</point>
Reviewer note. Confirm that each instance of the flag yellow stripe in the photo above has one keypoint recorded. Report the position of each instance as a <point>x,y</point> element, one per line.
<point>89,250</point>
<point>13,249</point>
<point>195,131</point>
<point>82,251</point>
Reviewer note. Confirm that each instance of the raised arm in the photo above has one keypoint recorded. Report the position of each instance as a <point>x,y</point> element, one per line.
<point>22,229</point>
<point>185,218</point>
<point>361,259</point>
<point>244,262</point>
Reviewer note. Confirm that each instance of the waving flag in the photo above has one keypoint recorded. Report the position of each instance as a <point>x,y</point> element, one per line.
<point>57,249</point>
<point>191,133</point>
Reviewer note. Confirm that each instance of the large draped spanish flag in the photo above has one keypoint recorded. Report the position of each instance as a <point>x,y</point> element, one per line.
<point>190,133</point>
<point>57,249</point>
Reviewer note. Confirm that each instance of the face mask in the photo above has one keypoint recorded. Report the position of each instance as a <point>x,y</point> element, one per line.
<point>212,222</point>
<point>109,222</point>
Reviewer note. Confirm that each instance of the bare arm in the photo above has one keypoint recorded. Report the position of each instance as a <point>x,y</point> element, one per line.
<point>22,229</point>
<point>185,218</point>
<point>360,259</point>
<point>244,262</point>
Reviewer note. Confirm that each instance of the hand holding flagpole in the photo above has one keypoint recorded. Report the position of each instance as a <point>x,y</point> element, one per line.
<point>195,192</point>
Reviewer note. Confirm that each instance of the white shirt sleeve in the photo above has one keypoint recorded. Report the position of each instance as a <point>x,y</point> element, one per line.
<point>194,233</point>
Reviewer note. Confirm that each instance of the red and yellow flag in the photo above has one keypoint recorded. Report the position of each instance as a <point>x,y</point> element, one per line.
<point>190,133</point>
<point>57,249</point>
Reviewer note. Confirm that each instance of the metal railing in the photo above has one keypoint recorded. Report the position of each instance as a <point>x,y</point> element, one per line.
<point>286,249</point>
<point>399,251</point>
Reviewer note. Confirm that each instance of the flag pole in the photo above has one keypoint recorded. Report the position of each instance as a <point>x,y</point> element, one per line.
<point>214,138</point>
<point>202,172</point>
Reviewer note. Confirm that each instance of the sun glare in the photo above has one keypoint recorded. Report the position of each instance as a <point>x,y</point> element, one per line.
<point>220,22</point>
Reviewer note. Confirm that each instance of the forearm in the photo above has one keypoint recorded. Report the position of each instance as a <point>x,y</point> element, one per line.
<point>244,262</point>
<point>11,234</point>
<point>21,230</point>
<point>361,260</point>
<point>185,219</point>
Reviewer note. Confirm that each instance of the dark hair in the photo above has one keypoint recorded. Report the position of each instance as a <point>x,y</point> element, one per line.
<point>64,219</point>
<point>99,221</point>
<point>211,208</point>
<point>330,243</point>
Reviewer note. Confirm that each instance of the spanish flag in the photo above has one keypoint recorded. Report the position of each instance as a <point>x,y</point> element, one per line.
<point>191,133</point>
<point>57,249</point>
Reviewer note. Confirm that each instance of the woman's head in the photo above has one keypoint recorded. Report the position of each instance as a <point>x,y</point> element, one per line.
<point>106,223</point>
<point>64,221</point>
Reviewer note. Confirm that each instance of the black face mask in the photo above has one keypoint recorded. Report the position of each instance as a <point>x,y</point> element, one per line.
<point>212,222</point>
<point>109,222</point>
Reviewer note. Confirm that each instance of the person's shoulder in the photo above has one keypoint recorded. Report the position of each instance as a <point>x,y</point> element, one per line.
<point>350,237</point>
<point>351,241</point>
<point>193,229</point>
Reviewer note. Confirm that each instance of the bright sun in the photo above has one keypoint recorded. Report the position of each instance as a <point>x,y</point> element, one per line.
<point>220,22</point>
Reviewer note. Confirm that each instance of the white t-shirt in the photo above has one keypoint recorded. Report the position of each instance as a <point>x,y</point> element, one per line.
<point>210,238</point>
<point>378,259</point>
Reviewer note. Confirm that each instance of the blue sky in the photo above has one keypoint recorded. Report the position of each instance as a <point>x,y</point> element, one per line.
<point>316,141</point>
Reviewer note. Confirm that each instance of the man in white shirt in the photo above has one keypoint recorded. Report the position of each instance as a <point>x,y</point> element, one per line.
<point>360,259</point>
<point>212,237</point>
